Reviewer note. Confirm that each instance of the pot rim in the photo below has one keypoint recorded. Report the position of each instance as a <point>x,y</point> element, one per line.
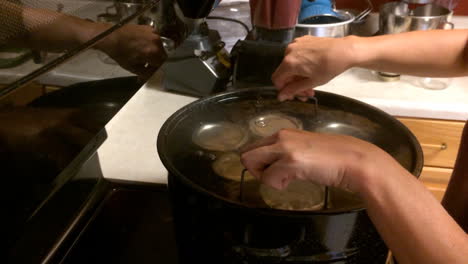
<point>344,13</point>
<point>173,171</point>
<point>447,16</point>
<point>384,10</point>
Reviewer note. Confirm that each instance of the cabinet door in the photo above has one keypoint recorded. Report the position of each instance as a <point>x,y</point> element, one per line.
<point>436,180</point>
<point>22,96</point>
<point>439,139</point>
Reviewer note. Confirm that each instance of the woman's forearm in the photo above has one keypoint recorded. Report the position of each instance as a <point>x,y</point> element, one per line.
<point>411,221</point>
<point>435,53</point>
<point>52,31</point>
<point>456,196</point>
<point>44,29</point>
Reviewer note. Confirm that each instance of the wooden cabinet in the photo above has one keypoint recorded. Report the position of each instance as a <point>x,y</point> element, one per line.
<point>436,180</point>
<point>22,95</point>
<point>26,94</point>
<point>440,140</point>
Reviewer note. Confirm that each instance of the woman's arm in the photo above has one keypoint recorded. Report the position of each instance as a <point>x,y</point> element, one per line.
<point>44,29</point>
<point>135,47</point>
<point>411,221</point>
<point>435,53</point>
<point>456,196</point>
<point>313,61</point>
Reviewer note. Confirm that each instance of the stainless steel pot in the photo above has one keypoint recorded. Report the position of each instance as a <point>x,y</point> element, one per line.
<point>332,30</point>
<point>215,225</point>
<point>332,26</point>
<point>396,17</point>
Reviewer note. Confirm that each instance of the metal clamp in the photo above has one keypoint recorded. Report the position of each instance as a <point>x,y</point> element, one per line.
<point>241,189</point>
<point>258,105</point>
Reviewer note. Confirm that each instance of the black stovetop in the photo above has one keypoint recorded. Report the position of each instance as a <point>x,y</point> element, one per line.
<point>132,223</point>
<point>131,226</point>
<point>81,217</point>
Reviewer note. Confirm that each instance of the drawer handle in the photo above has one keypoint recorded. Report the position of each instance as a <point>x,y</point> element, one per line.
<point>442,146</point>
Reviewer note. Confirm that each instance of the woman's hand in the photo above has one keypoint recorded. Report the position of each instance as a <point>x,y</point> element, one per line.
<point>135,48</point>
<point>310,62</point>
<point>333,160</point>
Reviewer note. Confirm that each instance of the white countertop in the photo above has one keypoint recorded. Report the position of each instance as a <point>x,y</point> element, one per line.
<point>87,66</point>
<point>129,152</point>
<point>405,97</point>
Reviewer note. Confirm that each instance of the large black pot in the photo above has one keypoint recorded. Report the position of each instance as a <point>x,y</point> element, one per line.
<point>213,226</point>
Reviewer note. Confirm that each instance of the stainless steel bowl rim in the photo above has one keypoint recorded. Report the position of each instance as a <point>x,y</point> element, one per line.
<point>342,13</point>
<point>425,17</point>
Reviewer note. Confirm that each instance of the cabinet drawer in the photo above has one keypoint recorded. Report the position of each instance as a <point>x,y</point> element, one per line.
<point>436,180</point>
<point>439,139</point>
<point>49,89</point>
<point>22,96</point>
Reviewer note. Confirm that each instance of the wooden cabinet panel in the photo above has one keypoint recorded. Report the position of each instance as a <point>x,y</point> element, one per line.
<point>439,139</point>
<point>22,96</point>
<point>436,180</point>
<point>49,89</point>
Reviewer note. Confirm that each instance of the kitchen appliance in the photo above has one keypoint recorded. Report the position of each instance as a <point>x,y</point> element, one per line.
<point>200,65</point>
<point>243,228</point>
<point>275,25</point>
<point>256,57</point>
<point>193,50</point>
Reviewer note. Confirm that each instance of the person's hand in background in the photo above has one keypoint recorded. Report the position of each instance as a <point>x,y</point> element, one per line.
<point>135,48</point>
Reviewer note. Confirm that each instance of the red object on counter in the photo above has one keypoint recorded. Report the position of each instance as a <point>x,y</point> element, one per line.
<point>274,14</point>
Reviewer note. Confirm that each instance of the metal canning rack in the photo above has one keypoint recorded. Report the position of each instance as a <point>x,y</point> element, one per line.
<point>241,183</point>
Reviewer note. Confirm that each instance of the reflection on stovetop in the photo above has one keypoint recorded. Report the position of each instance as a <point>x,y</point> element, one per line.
<point>131,226</point>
